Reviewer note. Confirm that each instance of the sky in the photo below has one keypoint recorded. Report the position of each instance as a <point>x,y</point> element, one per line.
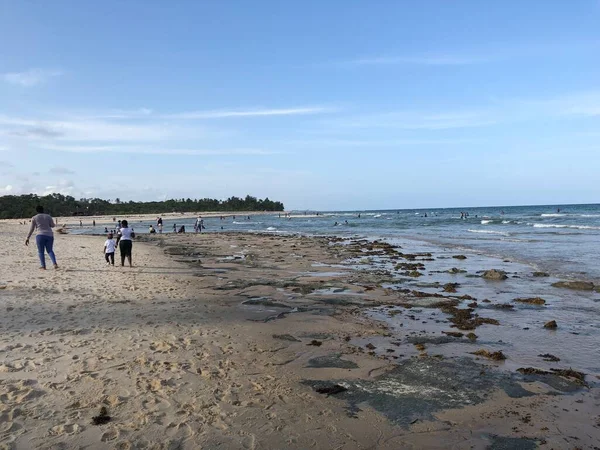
<point>323,105</point>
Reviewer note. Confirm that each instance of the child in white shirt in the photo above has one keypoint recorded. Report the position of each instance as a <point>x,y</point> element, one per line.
<point>109,250</point>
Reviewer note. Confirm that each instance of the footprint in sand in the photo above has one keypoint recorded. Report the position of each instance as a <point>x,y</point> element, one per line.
<point>110,435</point>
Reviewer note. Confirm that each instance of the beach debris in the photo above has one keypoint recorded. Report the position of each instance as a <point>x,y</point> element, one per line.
<point>577,285</point>
<point>330,389</point>
<point>286,337</point>
<point>531,301</point>
<point>101,418</point>
<point>540,274</point>
<point>456,270</point>
<point>496,356</point>
<point>451,287</point>
<point>494,274</point>
<point>315,343</point>
<point>472,336</point>
<point>459,257</point>
<point>549,357</point>
<point>551,325</point>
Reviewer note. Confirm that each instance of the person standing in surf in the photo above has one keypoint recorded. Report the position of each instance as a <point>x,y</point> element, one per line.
<point>44,239</point>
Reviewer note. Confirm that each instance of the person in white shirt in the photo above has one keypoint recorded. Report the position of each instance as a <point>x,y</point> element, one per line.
<point>125,241</point>
<point>109,250</point>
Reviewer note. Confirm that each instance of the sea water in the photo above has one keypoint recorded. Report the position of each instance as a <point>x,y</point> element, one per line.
<point>563,240</point>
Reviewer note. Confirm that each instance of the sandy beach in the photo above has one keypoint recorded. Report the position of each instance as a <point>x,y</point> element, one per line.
<point>228,340</point>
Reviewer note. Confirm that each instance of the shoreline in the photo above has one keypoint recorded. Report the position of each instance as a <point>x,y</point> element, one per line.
<point>207,341</point>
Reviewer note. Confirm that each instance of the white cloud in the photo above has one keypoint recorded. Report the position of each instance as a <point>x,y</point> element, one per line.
<point>156,150</point>
<point>408,120</point>
<point>233,113</point>
<point>32,77</point>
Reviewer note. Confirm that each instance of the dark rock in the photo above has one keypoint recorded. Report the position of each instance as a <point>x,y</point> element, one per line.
<point>577,285</point>
<point>552,325</point>
<point>549,357</point>
<point>494,274</point>
<point>472,336</point>
<point>453,334</point>
<point>472,305</point>
<point>330,389</point>
<point>502,306</point>
<point>459,257</point>
<point>315,343</point>
<point>456,270</point>
<point>331,361</point>
<point>370,346</point>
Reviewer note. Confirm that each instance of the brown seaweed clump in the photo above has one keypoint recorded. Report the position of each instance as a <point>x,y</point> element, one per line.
<point>496,356</point>
<point>463,319</point>
<point>531,301</point>
<point>450,287</point>
<point>552,325</point>
<point>472,336</point>
<point>578,377</point>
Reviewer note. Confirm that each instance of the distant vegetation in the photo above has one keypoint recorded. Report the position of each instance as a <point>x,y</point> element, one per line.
<point>22,206</point>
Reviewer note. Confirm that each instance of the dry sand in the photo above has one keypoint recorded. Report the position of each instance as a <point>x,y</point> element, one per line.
<point>178,361</point>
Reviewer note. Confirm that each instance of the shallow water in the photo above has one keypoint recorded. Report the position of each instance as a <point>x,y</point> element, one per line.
<point>565,243</point>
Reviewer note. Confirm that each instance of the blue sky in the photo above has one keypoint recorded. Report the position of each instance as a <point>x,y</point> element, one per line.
<point>319,104</point>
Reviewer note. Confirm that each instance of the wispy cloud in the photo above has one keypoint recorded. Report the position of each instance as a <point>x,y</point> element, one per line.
<point>259,112</point>
<point>424,60</point>
<point>157,150</point>
<point>29,78</point>
<point>409,120</point>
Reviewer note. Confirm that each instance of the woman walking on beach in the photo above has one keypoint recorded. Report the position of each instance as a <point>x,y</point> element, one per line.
<point>44,238</point>
<point>125,242</point>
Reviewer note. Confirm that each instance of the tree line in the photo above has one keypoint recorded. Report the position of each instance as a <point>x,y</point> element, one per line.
<point>23,206</point>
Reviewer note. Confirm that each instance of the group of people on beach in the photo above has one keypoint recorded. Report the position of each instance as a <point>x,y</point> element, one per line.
<point>43,224</point>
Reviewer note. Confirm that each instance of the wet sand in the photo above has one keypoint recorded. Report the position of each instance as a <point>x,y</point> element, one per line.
<point>222,341</point>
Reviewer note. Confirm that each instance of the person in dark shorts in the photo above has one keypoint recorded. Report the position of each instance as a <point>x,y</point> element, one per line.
<point>125,241</point>
<point>109,250</point>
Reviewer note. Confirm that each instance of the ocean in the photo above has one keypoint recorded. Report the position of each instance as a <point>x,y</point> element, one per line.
<point>563,240</point>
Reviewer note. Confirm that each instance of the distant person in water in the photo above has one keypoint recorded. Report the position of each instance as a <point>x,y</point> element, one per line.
<point>106,229</point>
<point>44,238</point>
<point>359,215</point>
<point>125,242</point>
<point>181,229</point>
<point>159,224</point>
<point>151,230</point>
<point>335,224</point>
<point>174,228</point>
<point>93,223</point>
<point>80,223</point>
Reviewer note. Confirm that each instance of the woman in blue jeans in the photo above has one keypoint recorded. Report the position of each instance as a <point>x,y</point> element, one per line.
<point>45,237</point>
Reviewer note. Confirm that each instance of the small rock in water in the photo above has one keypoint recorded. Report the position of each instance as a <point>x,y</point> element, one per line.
<point>472,336</point>
<point>551,325</point>
<point>531,301</point>
<point>494,274</point>
<point>577,285</point>
<point>315,343</point>
<point>370,346</point>
<point>101,418</point>
<point>459,257</point>
<point>541,274</point>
